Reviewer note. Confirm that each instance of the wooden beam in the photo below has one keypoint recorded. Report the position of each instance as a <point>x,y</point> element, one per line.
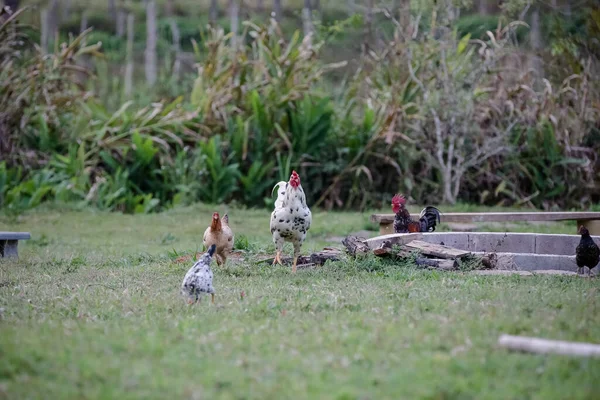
<point>501,217</point>
<point>395,238</point>
<point>544,346</point>
<point>437,250</point>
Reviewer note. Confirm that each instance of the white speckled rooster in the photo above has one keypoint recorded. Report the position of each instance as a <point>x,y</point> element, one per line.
<point>198,280</point>
<point>291,218</point>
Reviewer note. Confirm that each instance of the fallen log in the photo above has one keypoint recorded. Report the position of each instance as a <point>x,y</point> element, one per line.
<point>545,346</point>
<point>318,258</point>
<point>321,257</point>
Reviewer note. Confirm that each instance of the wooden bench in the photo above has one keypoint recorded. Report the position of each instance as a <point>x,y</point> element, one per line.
<point>9,242</point>
<point>590,220</point>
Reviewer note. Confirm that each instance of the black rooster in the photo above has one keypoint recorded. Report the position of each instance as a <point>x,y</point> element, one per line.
<point>587,253</point>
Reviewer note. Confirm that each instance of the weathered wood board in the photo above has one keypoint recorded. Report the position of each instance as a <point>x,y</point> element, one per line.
<point>437,250</point>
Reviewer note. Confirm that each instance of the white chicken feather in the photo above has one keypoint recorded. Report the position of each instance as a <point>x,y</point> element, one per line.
<point>291,218</point>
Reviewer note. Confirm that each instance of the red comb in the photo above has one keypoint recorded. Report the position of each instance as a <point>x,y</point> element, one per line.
<point>398,199</point>
<point>295,179</point>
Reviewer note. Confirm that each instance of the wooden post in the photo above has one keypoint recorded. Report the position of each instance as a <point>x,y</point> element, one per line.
<point>386,228</point>
<point>592,225</point>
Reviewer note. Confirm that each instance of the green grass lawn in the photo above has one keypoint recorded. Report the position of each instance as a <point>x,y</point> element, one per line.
<point>92,310</point>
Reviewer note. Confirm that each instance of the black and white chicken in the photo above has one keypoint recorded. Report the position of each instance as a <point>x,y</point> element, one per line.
<point>198,280</point>
<point>291,217</point>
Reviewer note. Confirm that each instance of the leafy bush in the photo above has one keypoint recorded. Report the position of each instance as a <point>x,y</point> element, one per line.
<point>33,88</point>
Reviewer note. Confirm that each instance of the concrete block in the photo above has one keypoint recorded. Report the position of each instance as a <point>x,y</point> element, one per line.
<point>502,242</point>
<point>533,262</point>
<point>558,244</point>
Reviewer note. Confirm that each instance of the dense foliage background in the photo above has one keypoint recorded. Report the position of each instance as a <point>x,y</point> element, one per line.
<point>445,101</point>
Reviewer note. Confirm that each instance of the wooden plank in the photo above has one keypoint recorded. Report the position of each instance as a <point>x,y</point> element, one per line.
<point>437,250</point>
<point>545,346</point>
<point>15,235</point>
<point>394,238</point>
<point>446,265</point>
<point>500,216</point>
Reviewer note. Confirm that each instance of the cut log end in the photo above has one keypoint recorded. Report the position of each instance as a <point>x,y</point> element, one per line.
<point>355,245</point>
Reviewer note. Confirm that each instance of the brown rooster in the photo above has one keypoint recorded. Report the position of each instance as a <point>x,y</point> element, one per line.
<point>587,253</point>
<point>220,234</point>
<point>403,223</point>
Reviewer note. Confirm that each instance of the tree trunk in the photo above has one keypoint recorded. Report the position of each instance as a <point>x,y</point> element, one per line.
<point>13,4</point>
<point>483,8</point>
<point>83,25</point>
<point>44,30</point>
<point>351,7</point>
<point>213,12</point>
<point>112,10</point>
<point>535,37</point>
<point>120,23</point>
<point>404,19</point>
<point>53,19</point>
<point>306,18</point>
<point>120,20</point>
<point>176,37</point>
<point>66,10</point>
<point>151,65</point>
<point>369,22</point>
<point>129,54</point>
<point>277,10</point>
<point>234,15</point>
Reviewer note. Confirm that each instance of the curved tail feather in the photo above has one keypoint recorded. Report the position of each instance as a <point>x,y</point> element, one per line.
<point>280,193</point>
<point>429,218</point>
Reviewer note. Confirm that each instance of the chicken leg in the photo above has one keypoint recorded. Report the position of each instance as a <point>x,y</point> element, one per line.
<point>279,243</point>
<point>296,254</point>
<point>212,298</point>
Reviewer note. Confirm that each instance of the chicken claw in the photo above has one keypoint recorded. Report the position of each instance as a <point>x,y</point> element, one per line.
<point>277,259</point>
<point>294,264</point>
